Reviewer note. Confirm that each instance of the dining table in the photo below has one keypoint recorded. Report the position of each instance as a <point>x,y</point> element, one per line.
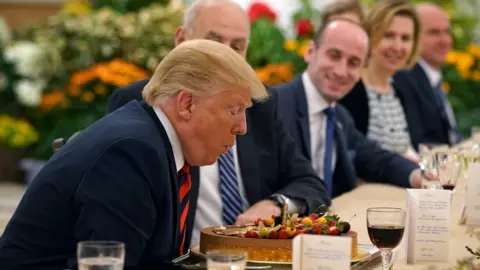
<point>355,203</point>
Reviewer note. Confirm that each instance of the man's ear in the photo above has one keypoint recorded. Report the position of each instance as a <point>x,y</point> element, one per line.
<point>184,102</point>
<point>311,48</point>
<point>179,35</point>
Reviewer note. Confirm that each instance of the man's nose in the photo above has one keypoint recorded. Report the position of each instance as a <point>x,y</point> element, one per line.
<point>240,125</point>
<point>340,69</point>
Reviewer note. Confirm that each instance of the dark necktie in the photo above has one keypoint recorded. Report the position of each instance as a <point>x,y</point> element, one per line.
<point>327,169</point>
<point>185,181</point>
<point>231,200</point>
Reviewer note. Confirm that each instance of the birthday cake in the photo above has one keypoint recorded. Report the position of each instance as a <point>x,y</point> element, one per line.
<point>270,240</point>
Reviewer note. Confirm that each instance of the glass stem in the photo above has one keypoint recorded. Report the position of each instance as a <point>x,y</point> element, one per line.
<point>386,258</point>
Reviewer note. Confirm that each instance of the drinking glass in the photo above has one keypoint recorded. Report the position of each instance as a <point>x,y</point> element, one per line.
<point>100,255</point>
<point>226,260</point>
<point>385,228</point>
<point>449,165</point>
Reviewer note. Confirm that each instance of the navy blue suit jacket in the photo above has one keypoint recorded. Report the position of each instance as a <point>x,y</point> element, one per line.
<point>270,162</point>
<point>356,102</point>
<point>356,155</point>
<point>116,180</point>
<point>433,115</point>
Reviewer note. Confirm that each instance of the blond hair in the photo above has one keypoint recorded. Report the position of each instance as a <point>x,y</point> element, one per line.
<point>380,17</point>
<point>204,68</point>
<point>342,6</point>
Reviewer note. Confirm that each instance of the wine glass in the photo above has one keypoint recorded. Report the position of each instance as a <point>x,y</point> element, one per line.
<point>385,228</point>
<point>449,165</point>
<point>100,255</point>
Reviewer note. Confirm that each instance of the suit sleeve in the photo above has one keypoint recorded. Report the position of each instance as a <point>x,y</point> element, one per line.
<point>113,198</point>
<point>376,164</point>
<point>297,174</point>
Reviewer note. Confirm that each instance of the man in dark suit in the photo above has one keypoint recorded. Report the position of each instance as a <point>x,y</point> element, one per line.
<point>323,128</point>
<point>264,168</point>
<point>127,176</point>
<point>437,114</point>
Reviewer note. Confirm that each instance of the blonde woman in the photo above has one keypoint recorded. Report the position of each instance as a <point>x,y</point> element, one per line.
<point>385,108</point>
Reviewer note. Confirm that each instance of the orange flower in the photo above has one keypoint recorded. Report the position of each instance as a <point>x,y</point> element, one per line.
<point>100,89</point>
<point>88,97</point>
<point>51,100</point>
<point>291,45</point>
<point>263,74</point>
<point>446,87</point>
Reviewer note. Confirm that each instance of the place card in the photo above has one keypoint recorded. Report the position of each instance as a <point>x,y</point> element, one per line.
<point>428,225</point>
<point>473,195</point>
<point>312,252</point>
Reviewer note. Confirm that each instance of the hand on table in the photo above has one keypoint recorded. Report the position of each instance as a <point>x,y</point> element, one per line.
<point>416,178</point>
<point>262,209</point>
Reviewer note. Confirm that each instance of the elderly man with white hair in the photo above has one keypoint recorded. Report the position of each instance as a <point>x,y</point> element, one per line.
<point>264,169</point>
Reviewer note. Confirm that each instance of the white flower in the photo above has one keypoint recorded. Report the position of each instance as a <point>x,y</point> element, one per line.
<point>29,93</point>
<point>27,57</point>
<point>4,33</point>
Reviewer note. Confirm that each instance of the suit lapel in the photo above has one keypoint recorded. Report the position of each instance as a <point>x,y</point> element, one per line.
<point>248,163</point>
<point>172,171</point>
<point>302,115</point>
<point>426,89</point>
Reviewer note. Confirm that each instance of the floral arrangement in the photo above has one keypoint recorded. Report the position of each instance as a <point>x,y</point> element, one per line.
<point>64,69</point>
<point>16,133</point>
<point>276,59</point>
<point>462,83</point>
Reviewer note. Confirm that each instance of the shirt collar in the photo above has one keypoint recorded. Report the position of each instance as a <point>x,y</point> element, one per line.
<point>316,102</point>
<point>433,75</point>
<point>172,137</point>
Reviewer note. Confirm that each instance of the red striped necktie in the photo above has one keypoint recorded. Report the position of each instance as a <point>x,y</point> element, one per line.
<point>185,181</point>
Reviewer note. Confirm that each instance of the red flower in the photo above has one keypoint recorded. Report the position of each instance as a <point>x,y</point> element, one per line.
<point>304,27</point>
<point>260,10</point>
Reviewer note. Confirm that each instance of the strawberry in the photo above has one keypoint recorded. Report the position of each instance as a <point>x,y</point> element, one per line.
<point>333,223</point>
<point>282,234</point>
<point>254,234</point>
<point>313,216</point>
<point>333,231</point>
<point>256,222</point>
<point>274,235</point>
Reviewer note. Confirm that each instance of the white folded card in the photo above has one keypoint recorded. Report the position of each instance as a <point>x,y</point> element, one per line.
<point>321,252</point>
<point>428,225</point>
<point>473,195</point>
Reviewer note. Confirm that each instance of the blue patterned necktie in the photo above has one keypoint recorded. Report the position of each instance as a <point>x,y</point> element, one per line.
<point>327,169</point>
<point>231,200</point>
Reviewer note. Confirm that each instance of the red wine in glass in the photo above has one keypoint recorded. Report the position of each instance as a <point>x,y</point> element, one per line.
<point>385,236</point>
<point>448,187</point>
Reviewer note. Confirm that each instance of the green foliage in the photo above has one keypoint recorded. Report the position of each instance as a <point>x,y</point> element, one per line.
<point>266,44</point>
<point>125,6</point>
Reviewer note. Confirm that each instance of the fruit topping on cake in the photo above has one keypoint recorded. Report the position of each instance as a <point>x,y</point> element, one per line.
<point>290,226</point>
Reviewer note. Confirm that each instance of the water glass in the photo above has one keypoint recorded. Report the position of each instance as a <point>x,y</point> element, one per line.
<point>449,166</point>
<point>385,228</point>
<point>100,255</point>
<point>226,260</point>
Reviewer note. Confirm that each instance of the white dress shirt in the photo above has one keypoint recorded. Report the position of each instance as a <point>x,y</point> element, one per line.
<point>172,137</point>
<point>318,125</point>
<point>209,205</point>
